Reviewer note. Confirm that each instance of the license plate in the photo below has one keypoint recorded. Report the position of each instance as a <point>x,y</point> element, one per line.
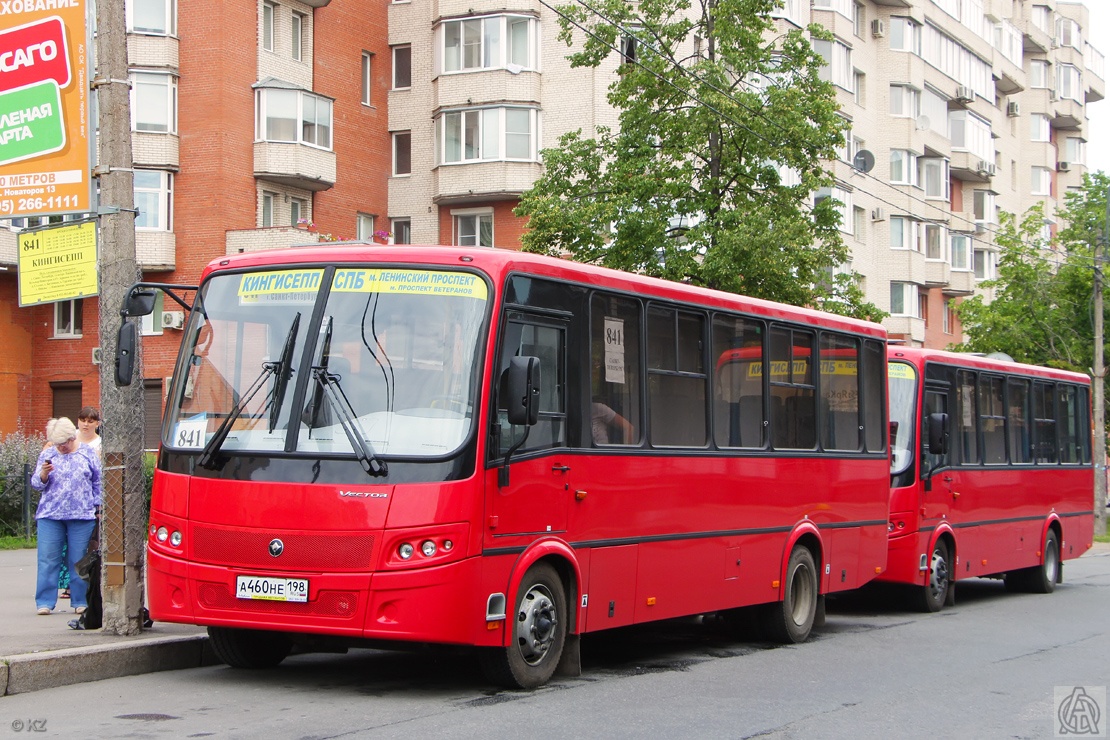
<point>271,589</point>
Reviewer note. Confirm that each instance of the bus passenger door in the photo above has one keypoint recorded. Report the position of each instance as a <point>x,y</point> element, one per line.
<point>536,499</point>
<point>936,501</point>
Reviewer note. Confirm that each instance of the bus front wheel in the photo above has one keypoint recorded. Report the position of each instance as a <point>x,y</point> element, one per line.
<point>790,620</point>
<point>248,648</point>
<point>933,595</point>
<point>539,631</point>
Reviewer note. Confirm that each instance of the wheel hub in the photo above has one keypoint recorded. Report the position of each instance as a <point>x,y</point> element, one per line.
<point>536,624</point>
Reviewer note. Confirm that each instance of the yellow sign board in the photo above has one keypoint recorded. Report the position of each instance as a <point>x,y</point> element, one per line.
<point>411,282</point>
<point>57,264</point>
<point>45,126</point>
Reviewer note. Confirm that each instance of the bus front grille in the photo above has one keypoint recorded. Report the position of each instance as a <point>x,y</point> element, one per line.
<point>308,551</point>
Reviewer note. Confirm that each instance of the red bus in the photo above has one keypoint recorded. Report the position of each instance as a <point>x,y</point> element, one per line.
<point>501,450</point>
<point>991,472</point>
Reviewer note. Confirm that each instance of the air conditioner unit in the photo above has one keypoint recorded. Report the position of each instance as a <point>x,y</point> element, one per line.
<point>96,355</point>
<point>985,168</point>
<point>173,319</point>
<point>1013,110</point>
<point>965,94</point>
<point>878,28</point>
<point>1063,166</point>
<point>877,214</point>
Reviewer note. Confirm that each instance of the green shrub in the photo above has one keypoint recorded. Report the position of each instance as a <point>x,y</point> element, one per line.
<point>16,451</point>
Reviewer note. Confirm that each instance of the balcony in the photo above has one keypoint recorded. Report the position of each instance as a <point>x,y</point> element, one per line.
<point>152,51</point>
<point>906,327</point>
<point>238,241</point>
<point>294,165</point>
<point>937,273</point>
<point>316,3</point>
<point>158,151</point>
<point>971,167</point>
<point>1067,114</point>
<point>483,181</point>
<point>155,251</point>
<point>960,282</point>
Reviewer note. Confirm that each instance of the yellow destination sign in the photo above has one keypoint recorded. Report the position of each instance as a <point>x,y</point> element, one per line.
<point>412,282</point>
<point>57,264</point>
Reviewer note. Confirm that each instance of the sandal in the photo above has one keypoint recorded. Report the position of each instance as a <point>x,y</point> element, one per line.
<point>65,593</point>
<point>43,611</point>
<point>78,610</point>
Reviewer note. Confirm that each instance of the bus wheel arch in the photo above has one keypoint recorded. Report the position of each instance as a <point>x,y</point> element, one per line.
<point>937,589</point>
<point>790,619</point>
<point>1043,577</point>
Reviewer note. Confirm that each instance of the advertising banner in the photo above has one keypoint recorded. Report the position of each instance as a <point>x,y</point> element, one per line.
<point>57,264</point>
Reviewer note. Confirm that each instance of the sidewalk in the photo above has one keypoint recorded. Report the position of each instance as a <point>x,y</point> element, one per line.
<point>43,652</point>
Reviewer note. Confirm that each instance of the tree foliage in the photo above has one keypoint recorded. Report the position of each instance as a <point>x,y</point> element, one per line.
<point>689,185</point>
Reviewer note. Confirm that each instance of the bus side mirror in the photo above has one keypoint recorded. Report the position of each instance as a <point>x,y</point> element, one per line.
<point>125,352</point>
<point>139,302</point>
<point>938,434</point>
<point>523,398</point>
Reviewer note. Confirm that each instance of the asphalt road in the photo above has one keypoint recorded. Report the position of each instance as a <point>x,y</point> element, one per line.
<point>987,668</point>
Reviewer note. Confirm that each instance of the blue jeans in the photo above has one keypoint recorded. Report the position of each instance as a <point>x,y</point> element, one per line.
<point>52,533</point>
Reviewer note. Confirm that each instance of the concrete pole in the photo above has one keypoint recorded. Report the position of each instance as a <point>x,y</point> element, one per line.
<point>123,523</point>
<point>1100,382</point>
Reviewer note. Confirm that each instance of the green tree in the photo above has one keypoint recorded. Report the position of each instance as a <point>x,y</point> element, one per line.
<point>689,187</point>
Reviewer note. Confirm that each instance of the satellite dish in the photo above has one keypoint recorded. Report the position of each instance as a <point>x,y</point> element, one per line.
<point>922,123</point>
<point>864,161</point>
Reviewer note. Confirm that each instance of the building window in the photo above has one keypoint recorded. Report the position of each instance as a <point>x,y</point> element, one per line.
<point>960,248</point>
<point>487,134</point>
<point>402,153</point>
<point>905,101</point>
<point>1040,127</point>
<point>153,102</point>
<point>298,35</point>
<point>298,211</point>
<point>402,67</point>
<point>1042,18</point>
<point>858,87</point>
<point>905,35</point>
<point>268,209</point>
<point>154,200</point>
<point>844,7</point>
<point>948,315</point>
<point>155,17</point>
<point>970,133</point>
<point>269,10</point>
<point>1068,33</point>
<point>473,229</point>
<point>905,233</point>
<point>859,20</point>
<point>858,216</point>
<point>1075,150</point>
<point>934,177</point>
<point>838,61</point>
<point>983,206</point>
<point>492,42</point>
<point>67,318</point>
<point>984,264</point>
<point>293,115</point>
<point>402,231</point>
<point>936,242</point>
<point>364,227</point>
<point>1039,74</point>
<point>1041,181</point>
<point>904,300</point>
<point>843,200</point>
<point>903,167</point>
<point>1067,83</point>
<point>367,59</point>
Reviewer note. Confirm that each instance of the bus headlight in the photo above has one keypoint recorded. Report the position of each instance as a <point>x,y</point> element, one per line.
<point>428,548</point>
<point>405,551</point>
<point>162,535</point>
<point>175,538</point>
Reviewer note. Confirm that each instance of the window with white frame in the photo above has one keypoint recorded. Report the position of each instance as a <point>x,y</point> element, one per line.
<point>1008,40</point>
<point>402,231</point>
<point>268,200</point>
<point>934,107</point>
<point>843,200</point>
<point>483,134</point>
<point>904,300</point>
<point>838,62</point>
<point>859,19</point>
<point>269,10</point>
<point>903,167</point>
<point>402,153</point>
<point>1075,150</point>
<point>297,39</point>
<point>402,67</point>
<point>1041,17</point>
<point>153,102</point>
<point>492,42</point>
<point>293,116</point>
<point>934,177</point>
<point>364,226</point>
<point>859,222</point>
<point>787,9</point>
<point>67,318</point>
<point>858,87</point>
<point>1040,180</point>
<point>367,77</point>
<point>905,35</point>
<point>936,242</point>
<point>154,200</point>
<point>1045,233</point>
<point>844,7</point>
<point>961,252</point>
<point>971,133</point>
<point>1039,73</point>
<point>151,324</point>
<point>905,101</point>
<point>955,60</point>
<point>984,264</point>
<point>1068,82</point>
<point>948,315</point>
<point>473,228</point>
<point>154,17</point>
<point>905,233</point>
<point>1068,33</point>
<point>1040,127</point>
<point>983,206</point>
<point>298,211</point>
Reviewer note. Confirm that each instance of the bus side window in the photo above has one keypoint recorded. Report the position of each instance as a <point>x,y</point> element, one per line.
<point>739,419</point>
<point>1044,423</point>
<point>616,414</point>
<point>967,419</point>
<point>548,343</point>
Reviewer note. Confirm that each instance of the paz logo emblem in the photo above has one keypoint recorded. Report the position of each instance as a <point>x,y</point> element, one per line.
<point>277,547</point>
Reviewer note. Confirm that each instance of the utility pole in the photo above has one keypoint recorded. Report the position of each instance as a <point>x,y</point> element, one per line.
<point>123,515</point>
<point>1100,382</point>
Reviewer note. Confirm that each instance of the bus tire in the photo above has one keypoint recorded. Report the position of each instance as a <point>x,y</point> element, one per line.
<point>933,595</point>
<point>539,630</point>
<point>790,620</point>
<point>248,648</point>
<point>1040,579</point>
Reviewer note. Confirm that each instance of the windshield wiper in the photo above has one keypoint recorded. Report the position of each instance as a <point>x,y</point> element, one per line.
<point>282,370</point>
<point>328,384</point>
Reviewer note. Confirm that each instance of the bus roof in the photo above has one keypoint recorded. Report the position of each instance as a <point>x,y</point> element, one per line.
<point>919,356</point>
<point>498,263</point>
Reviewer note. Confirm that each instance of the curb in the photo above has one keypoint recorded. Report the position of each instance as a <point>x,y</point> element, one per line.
<point>20,674</point>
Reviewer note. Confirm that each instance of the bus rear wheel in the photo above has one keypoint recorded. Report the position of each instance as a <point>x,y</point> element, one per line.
<point>1040,579</point>
<point>248,648</point>
<point>933,595</point>
<point>791,620</point>
<point>539,631</point>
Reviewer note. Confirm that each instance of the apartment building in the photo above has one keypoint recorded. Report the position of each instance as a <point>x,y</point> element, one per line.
<point>255,124</point>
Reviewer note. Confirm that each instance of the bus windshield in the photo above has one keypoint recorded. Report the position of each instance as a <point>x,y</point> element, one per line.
<point>391,362</point>
<point>903,394</point>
